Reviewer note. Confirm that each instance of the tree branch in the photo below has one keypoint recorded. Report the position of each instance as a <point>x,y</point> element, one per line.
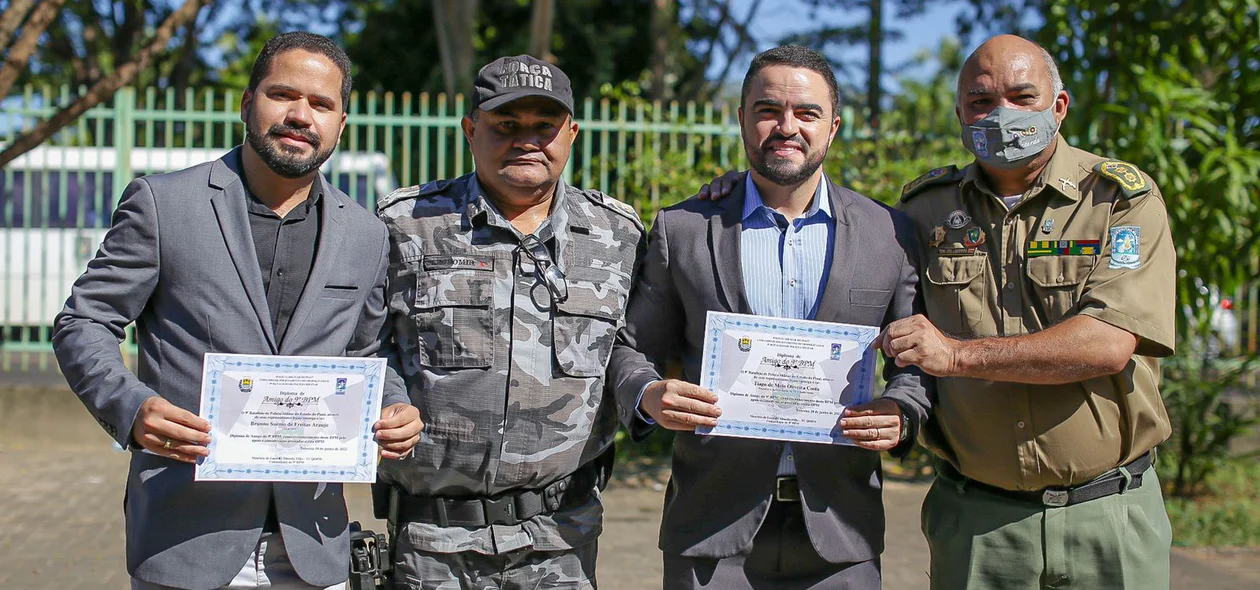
<point>21,51</point>
<point>106,87</point>
<point>12,18</point>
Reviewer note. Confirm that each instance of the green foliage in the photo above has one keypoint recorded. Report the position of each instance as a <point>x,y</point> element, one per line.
<point>1230,516</point>
<point>1204,421</point>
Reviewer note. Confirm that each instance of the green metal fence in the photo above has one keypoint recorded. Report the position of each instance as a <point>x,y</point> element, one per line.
<point>56,201</point>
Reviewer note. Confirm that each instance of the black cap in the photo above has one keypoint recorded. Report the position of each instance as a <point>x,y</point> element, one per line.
<point>509,78</point>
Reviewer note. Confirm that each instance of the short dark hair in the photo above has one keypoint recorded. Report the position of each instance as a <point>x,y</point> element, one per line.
<point>311,42</point>
<point>797,57</point>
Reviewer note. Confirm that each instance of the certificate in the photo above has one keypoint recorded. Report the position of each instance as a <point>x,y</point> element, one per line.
<point>290,418</point>
<point>785,379</point>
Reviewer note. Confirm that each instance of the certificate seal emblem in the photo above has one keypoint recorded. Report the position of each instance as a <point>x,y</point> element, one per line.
<point>246,385</point>
<point>745,344</point>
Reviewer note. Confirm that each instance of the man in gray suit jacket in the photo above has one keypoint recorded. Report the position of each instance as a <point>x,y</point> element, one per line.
<point>254,253</point>
<point>744,513</point>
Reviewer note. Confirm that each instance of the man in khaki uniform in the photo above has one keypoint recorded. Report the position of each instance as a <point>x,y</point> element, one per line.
<point>1048,279</point>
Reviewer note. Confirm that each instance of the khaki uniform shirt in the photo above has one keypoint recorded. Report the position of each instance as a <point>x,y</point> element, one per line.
<point>1089,238</point>
<point>510,383</point>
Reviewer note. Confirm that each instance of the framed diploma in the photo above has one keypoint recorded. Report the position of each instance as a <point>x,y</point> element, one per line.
<point>290,418</point>
<point>785,379</point>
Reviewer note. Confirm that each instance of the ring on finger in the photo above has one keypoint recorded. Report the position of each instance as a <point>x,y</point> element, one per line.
<point>167,444</point>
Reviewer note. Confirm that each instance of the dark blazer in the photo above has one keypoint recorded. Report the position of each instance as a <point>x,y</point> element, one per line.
<point>179,261</point>
<point>721,487</point>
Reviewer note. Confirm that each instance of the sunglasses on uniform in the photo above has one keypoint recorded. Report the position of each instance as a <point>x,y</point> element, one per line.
<point>545,268</point>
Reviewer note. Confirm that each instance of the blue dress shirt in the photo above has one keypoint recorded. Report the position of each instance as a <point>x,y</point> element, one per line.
<point>785,263</point>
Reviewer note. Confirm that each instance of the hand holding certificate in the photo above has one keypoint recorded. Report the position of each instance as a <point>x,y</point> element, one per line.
<point>276,418</point>
<point>786,379</point>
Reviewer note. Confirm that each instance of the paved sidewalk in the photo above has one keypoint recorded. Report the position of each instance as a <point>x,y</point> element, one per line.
<point>61,524</point>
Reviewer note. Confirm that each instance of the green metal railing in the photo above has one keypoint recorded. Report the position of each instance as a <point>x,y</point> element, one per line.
<point>56,201</point>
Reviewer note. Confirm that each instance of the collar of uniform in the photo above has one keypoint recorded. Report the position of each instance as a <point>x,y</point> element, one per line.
<point>753,202</point>
<point>565,212</point>
<point>1062,166</point>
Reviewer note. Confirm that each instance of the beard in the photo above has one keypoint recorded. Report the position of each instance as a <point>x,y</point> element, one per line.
<point>782,171</point>
<point>287,161</point>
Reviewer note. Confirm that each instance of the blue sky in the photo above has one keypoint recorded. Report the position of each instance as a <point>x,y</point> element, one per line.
<point>777,19</point>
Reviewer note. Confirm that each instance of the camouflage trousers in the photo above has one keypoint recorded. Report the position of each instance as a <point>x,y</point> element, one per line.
<point>521,569</point>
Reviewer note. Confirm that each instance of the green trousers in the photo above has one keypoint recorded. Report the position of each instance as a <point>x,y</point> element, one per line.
<point>981,541</point>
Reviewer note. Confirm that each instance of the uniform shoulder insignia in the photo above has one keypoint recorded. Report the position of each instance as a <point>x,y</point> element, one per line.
<point>614,205</point>
<point>936,176</point>
<point>412,192</point>
<point>1130,180</point>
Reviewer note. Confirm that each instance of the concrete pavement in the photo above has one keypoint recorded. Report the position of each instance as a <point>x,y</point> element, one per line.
<point>61,525</point>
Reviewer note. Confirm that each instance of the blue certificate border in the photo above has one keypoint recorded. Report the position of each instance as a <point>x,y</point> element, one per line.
<point>364,469</point>
<point>717,323</point>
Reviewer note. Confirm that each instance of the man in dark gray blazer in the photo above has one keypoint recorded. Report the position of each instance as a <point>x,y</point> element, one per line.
<point>744,513</point>
<point>254,253</point>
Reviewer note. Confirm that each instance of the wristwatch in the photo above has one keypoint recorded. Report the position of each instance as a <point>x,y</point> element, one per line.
<point>905,428</point>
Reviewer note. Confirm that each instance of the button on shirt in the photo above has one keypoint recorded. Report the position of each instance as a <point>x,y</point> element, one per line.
<point>286,253</point>
<point>987,280</point>
<point>785,262</point>
<point>510,381</point>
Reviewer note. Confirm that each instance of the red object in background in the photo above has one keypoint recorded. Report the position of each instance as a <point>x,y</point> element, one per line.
<point>1227,304</point>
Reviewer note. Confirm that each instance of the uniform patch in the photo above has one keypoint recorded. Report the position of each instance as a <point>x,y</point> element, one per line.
<point>1125,175</point>
<point>974,237</point>
<point>958,219</point>
<point>1126,247</point>
<point>1062,248</point>
<point>462,262</point>
<point>938,236</point>
<point>933,176</point>
<point>981,143</point>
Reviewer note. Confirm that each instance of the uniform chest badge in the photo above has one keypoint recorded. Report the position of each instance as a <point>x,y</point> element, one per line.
<point>1126,247</point>
<point>1047,226</point>
<point>958,219</point>
<point>938,236</point>
<point>974,237</point>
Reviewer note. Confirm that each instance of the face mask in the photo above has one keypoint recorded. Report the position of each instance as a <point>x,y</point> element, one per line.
<point>1008,138</point>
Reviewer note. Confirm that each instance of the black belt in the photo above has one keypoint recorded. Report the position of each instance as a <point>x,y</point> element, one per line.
<point>508,508</point>
<point>1107,484</point>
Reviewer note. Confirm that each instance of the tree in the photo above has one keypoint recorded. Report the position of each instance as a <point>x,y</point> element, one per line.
<point>1174,87</point>
<point>453,21</point>
<point>32,29</point>
<point>124,73</point>
<point>872,31</point>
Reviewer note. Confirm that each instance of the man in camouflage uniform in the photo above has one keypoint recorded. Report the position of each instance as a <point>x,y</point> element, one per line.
<point>507,288</point>
<point>1049,286</point>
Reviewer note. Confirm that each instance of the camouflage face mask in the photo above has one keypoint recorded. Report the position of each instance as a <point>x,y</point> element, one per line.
<point>1009,138</point>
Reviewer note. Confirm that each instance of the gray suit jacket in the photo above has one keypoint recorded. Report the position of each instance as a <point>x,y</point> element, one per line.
<point>721,487</point>
<point>179,261</point>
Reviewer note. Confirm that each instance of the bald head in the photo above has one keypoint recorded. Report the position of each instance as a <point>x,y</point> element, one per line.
<point>1009,63</point>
